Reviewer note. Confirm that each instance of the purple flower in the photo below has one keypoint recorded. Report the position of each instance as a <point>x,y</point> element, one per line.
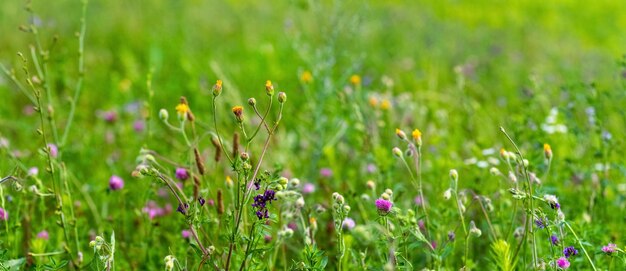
<point>418,201</point>
<point>292,225</point>
<point>326,172</point>
<point>109,116</point>
<point>182,208</point>
<point>260,203</point>
<point>348,224</point>
<point>201,201</point>
<point>570,251</point>
<point>308,188</point>
<point>383,206</point>
<point>371,168</point>
<point>451,236</point>
<point>609,249</point>
<point>54,150</point>
<point>563,263</point>
<point>186,234</point>
<point>139,126</point>
<point>182,174</point>
<point>555,240</point>
<point>4,215</point>
<point>116,183</point>
<point>43,235</point>
<point>540,223</point>
<point>33,171</point>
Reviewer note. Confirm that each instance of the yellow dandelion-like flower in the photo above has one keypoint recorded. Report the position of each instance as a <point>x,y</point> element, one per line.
<point>385,104</point>
<point>355,80</point>
<point>417,137</point>
<point>182,109</point>
<point>306,77</point>
<point>217,88</point>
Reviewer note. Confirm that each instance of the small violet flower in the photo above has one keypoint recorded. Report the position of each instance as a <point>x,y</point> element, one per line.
<point>116,183</point>
<point>348,224</point>
<point>43,235</point>
<point>570,251</point>
<point>54,150</point>
<point>554,240</point>
<point>326,172</point>
<point>182,174</point>
<point>609,249</point>
<point>186,234</point>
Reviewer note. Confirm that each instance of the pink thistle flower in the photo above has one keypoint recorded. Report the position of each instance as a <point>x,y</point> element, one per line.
<point>563,263</point>
<point>116,183</point>
<point>383,206</point>
<point>186,234</point>
<point>43,235</point>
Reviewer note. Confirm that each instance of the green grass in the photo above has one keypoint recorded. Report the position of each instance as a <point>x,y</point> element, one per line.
<point>455,70</point>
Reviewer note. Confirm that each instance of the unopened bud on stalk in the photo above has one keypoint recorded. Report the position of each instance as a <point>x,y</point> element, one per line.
<point>252,101</point>
<point>238,111</point>
<point>283,181</point>
<point>447,194</point>
<point>400,134</point>
<point>385,196</point>
<point>547,151</point>
<point>370,185</point>
<point>494,171</point>
<point>217,88</point>
<point>244,156</point>
<point>454,176</point>
<point>397,152</point>
<point>282,97</point>
<point>512,177</point>
<point>417,137</point>
<point>474,231</point>
<point>299,202</point>
<point>269,88</point>
<point>163,114</point>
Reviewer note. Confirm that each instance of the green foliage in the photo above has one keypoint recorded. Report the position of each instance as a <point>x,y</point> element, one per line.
<point>502,256</point>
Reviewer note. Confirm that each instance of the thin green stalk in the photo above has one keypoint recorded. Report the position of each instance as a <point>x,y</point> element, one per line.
<point>580,243</point>
<point>217,132</point>
<point>81,73</point>
<point>530,192</point>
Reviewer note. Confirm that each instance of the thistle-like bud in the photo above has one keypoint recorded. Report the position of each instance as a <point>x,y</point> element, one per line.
<point>238,111</point>
<point>163,114</point>
<point>347,208</point>
<point>282,97</point>
<point>370,185</point>
<point>385,196</point>
<point>283,181</point>
<point>397,152</point>
<point>389,191</point>
<point>400,134</point>
<point>217,88</point>
<point>252,101</point>
<point>269,88</point>
<point>340,199</point>
<point>244,156</point>
<point>294,182</point>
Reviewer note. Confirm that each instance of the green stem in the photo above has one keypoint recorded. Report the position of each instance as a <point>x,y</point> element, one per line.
<point>581,245</point>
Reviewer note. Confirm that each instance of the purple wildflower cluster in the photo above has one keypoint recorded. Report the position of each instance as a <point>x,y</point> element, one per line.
<point>609,249</point>
<point>570,251</point>
<point>154,210</point>
<point>554,240</point>
<point>260,203</point>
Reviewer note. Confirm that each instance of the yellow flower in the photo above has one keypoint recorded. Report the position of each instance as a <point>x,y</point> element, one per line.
<point>182,110</point>
<point>306,77</point>
<point>547,151</point>
<point>417,137</point>
<point>229,181</point>
<point>385,104</point>
<point>355,80</point>
<point>217,88</point>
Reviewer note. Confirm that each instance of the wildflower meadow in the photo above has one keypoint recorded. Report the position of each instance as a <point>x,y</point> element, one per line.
<point>312,135</point>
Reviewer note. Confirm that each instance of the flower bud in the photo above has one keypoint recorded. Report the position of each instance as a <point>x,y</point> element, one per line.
<point>385,196</point>
<point>252,101</point>
<point>346,208</point>
<point>400,134</point>
<point>370,185</point>
<point>389,191</point>
<point>299,202</point>
<point>244,156</point>
<point>238,111</point>
<point>495,171</point>
<point>340,199</point>
<point>282,97</point>
<point>283,181</point>
<point>269,88</point>
<point>447,194</point>
<point>294,182</point>
<point>512,177</point>
<point>474,231</point>
<point>217,88</point>
<point>211,249</point>
<point>397,152</point>
<point>417,137</point>
<point>163,114</point>
<point>547,151</point>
